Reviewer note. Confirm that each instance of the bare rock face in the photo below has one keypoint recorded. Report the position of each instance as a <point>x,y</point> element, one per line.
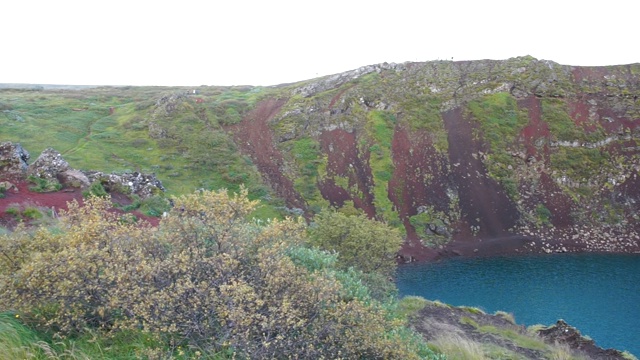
<point>74,178</point>
<point>48,165</point>
<point>563,333</point>
<point>13,159</point>
<point>143,185</point>
<point>333,81</point>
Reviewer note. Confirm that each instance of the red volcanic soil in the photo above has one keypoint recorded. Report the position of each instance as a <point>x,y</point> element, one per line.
<point>419,179</point>
<point>53,200</point>
<point>255,139</point>
<point>346,160</point>
<point>24,197</point>
<point>483,202</point>
<point>536,129</point>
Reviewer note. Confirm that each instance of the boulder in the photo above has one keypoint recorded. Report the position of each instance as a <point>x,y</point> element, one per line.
<point>7,186</point>
<point>74,178</point>
<point>48,165</point>
<point>13,160</point>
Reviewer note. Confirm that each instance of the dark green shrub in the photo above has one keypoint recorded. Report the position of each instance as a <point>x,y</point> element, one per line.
<point>135,204</point>
<point>43,185</point>
<point>13,211</point>
<point>154,206</point>
<point>95,189</point>
<point>543,215</point>
<point>32,213</point>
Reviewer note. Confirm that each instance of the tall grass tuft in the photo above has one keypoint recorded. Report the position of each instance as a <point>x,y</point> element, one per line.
<point>17,341</point>
<point>459,347</point>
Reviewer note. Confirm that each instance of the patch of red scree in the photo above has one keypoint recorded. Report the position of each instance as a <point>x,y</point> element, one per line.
<point>419,179</point>
<point>24,197</point>
<point>536,129</point>
<point>344,159</point>
<point>486,210</point>
<point>255,139</point>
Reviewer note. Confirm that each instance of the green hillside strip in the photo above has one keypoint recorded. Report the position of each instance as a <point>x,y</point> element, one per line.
<point>421,110</point>
<point>380,128</point>
<point>500,121</point>
<point>308,158</point>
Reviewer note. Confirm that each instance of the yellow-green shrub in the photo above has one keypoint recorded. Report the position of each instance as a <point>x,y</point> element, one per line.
<point>366,244</point>
<point>207,276</point>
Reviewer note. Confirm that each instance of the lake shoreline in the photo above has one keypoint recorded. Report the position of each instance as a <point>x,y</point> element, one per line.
<point>595,293</point>
<point>604,239</point>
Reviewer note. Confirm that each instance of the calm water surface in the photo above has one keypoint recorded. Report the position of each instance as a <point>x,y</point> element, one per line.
<point>598,294</point>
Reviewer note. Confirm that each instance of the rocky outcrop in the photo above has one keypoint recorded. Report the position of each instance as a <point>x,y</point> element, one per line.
<point>13,160</point>
<point>563,333</point>
<point>334,81</point>
<point>74,178</point>
<point>438,321</point>
<point>48,165</point>
<point>52,167</point>
<point>142,185</point>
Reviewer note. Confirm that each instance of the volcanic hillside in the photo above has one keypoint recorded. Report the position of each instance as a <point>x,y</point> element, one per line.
<point>474,156</point>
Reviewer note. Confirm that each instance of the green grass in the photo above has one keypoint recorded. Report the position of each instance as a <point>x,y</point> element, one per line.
<point>411,305</point>
<point>458,347</point>
<point>500,122</point>
<point>17,341</point>
<point>380,129</point>
<point>520,340</point>
<point>197,153</point>
<point>507,316</point>
<point>472,310</point>
<point>43,185</point>
<point>560,123</point>
<point>580,164</point>
<point>308,159</point>
<point>421,110</point>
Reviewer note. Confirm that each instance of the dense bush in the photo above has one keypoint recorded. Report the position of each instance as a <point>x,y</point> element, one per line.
<point>208,277</point>
<point>366,244</point>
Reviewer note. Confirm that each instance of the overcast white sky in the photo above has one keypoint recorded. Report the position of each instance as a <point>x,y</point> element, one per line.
<point>188,42</point>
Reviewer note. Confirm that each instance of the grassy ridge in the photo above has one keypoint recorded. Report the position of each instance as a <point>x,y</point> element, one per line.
<point>110,129</point>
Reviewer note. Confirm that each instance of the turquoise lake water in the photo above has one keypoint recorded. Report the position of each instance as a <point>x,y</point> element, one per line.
<point>597,293</point>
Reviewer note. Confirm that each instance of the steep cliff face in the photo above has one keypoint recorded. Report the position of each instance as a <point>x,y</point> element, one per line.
<point>460,154</point>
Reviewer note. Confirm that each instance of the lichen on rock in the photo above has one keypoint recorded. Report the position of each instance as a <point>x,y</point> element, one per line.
<point>13,159</point>
<point>48,165</point>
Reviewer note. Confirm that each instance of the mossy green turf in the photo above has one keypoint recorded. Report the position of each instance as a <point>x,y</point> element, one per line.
<point>107,129</point>
<point>380,129</point>
<point>308,159</point>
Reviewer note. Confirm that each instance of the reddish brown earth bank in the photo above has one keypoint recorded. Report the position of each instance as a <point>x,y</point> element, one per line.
<point>566,181</point>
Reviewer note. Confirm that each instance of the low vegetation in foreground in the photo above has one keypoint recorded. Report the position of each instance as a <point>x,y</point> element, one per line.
<point>211,282</point>
<point>208,282</point>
